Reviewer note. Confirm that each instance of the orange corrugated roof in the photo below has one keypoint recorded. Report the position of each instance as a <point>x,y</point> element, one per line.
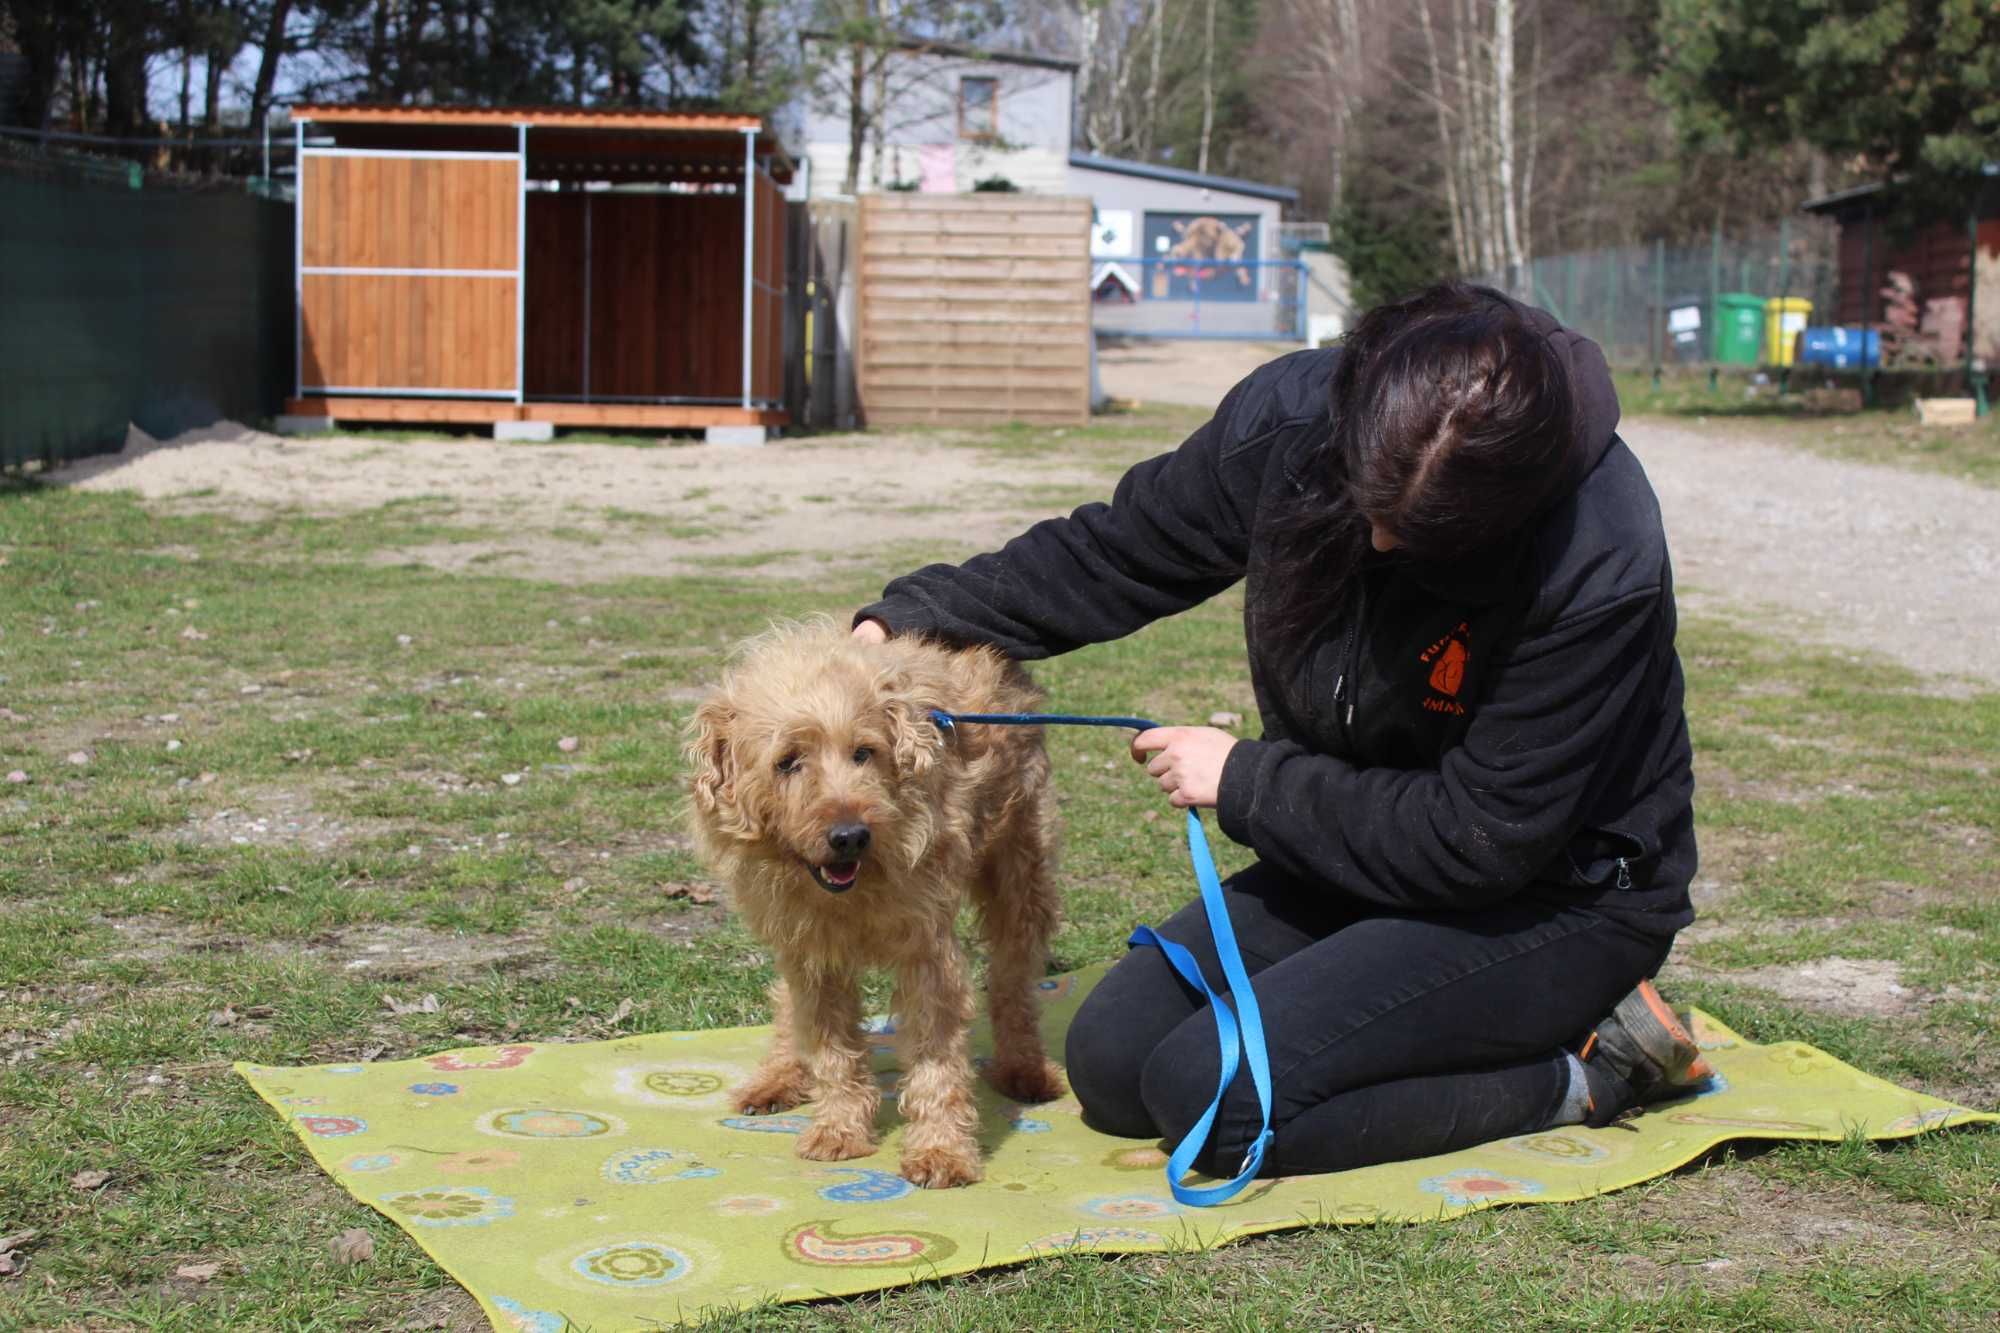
<point>554,117</point>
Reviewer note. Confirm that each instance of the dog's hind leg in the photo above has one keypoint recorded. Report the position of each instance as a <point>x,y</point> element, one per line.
<point>782,1080</point>
<point>826,1027</point>
<point>934,1005</point>
<point>1016,895</point>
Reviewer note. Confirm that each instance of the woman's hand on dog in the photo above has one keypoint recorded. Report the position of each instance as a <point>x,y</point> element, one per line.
<point>871,631</point>
<point>1185,761</point>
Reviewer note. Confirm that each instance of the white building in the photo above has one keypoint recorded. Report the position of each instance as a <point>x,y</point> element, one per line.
<point>951,116</point>
<point>1178,253</point>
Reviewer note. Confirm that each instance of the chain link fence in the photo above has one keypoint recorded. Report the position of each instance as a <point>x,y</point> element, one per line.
<point>1729,301</point>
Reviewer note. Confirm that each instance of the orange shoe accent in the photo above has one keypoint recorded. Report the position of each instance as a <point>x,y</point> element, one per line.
<point>1669,1020</point>
<point>1589,1045</point>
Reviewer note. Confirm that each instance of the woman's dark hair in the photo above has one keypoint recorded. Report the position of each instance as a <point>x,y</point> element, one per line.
<point>1453,425</point>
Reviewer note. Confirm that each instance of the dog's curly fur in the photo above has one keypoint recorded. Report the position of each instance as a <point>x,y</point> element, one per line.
<point>812,734</point>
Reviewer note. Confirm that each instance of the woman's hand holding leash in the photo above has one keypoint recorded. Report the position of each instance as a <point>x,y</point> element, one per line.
<point>1186,762</point>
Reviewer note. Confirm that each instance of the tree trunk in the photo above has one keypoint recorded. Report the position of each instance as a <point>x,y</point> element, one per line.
<point>1533,95</point>
<point>1470,144</point>
<point>857,119</point>
<point>1207,86</point>
<point>211,93</point>
<point>1448,151</point>
<point>267,64</point>
<point>878,120</point>
<point>1149,134</point>
<point>1503,137</point>
<point>378,52</point>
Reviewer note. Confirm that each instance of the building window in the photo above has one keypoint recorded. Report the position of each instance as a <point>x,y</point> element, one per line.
<point>978,108</point>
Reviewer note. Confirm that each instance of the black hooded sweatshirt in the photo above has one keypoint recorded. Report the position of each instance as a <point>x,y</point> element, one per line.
<point>1455,737</point>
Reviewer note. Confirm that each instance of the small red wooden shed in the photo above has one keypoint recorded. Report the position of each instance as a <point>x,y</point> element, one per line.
<point>561,266</point>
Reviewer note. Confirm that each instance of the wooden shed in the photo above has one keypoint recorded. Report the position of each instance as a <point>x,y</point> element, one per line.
<point>535,267</point>
<point>1947,258</point>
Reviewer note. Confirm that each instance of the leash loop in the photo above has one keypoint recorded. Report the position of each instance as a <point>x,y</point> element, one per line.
<point>1239,1031</point>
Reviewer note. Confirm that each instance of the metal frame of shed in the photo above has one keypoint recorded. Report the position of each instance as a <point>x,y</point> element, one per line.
<point>402,231</point>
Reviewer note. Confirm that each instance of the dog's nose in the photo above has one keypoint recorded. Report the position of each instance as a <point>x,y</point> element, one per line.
<point>848,840</point>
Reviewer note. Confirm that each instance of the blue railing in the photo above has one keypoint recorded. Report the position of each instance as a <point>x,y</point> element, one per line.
<point>1170,296</point>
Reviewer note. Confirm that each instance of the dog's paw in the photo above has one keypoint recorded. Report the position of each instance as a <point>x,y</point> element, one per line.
<point>767,1094</point>
<point>942,1168</point>
<point>825,1143</point>
<point>1036,1081</point>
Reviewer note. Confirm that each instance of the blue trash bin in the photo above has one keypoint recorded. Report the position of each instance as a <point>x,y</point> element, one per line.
<point>1840,348</point>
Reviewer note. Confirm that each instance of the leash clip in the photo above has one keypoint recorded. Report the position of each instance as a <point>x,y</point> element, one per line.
<point>1254,1158</point>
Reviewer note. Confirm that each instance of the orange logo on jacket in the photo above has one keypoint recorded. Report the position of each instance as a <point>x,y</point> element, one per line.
<point>1447,659</point>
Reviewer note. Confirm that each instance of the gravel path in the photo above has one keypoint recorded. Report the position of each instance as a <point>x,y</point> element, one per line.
<point>1902,563</point>
<point>1873,558</point>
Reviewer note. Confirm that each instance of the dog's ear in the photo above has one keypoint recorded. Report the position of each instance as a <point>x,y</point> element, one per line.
<point>914,737</point>
<point>709,755</point>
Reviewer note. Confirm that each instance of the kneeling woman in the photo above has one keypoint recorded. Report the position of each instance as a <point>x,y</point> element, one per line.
<point>1471,802</point>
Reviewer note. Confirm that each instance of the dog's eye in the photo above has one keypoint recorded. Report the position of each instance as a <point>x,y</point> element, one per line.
<point>789,764</point>
<point>863,755</point>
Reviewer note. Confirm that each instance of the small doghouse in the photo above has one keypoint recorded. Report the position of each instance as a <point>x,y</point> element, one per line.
<point>535,267</point>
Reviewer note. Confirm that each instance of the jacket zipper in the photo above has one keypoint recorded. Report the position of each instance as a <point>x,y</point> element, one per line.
<point>1347,655</point>
<point>1624,873</point>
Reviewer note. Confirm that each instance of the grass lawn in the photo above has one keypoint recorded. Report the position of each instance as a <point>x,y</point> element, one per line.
<point>275,781</point>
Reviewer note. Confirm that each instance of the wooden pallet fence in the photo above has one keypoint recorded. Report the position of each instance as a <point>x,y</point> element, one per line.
<point>975,309</point>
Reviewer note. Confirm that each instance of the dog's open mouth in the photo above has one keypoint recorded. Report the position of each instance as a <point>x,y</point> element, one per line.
<point>838,877</point>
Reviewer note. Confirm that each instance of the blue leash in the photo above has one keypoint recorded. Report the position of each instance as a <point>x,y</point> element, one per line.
<point>1237,1044</point>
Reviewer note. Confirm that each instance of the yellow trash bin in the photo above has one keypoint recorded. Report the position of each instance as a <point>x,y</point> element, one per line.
<point>1785,317</point>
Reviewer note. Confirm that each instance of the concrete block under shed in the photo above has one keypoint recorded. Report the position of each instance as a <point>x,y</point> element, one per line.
<point>289,424</point>
<point>1947,411</point>
<point>734,435</point>
<point>528,432</point>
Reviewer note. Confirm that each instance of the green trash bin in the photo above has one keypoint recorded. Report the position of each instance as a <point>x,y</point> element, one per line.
<point>1739,328</point>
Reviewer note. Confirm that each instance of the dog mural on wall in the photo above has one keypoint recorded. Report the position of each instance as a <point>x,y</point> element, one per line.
<point>1191,251</point>
<point>1212,238</point>
<point>851,829</point>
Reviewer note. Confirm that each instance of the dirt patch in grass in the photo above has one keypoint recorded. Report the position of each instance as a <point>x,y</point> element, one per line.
<point>1735,1227</point>
<point>281,819</point>
<point>1862,987</point>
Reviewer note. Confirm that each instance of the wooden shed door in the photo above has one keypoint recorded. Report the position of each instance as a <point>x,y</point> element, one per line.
<point>409,272</point>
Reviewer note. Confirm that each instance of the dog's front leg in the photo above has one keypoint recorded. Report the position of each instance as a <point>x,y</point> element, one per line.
<point>934,1004</point>
<point>782,1081</point>
<point>826,1032</point>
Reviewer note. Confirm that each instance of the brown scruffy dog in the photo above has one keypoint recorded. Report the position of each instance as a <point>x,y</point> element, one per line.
<point>851,828</point>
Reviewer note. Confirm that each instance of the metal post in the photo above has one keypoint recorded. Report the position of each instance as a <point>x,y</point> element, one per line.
<point>1659,329</point>
<point>1570,311</point>
<point>749,252</point>
<point>586,296</point>
<point>1787,351</point>
<point>298,258</point>
<point>1868,310</point>
<point>1975,373</point>
<point>1714,302</point>
<point>1615,273</point>
<point>521,265</point>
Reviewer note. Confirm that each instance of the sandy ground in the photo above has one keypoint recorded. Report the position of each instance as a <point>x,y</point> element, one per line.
<point>1188,373</point>
<point>1901,563</point>
<point>589,512</point>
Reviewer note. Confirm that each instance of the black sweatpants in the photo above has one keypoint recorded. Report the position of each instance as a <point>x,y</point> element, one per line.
<point>1390,1036</point>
